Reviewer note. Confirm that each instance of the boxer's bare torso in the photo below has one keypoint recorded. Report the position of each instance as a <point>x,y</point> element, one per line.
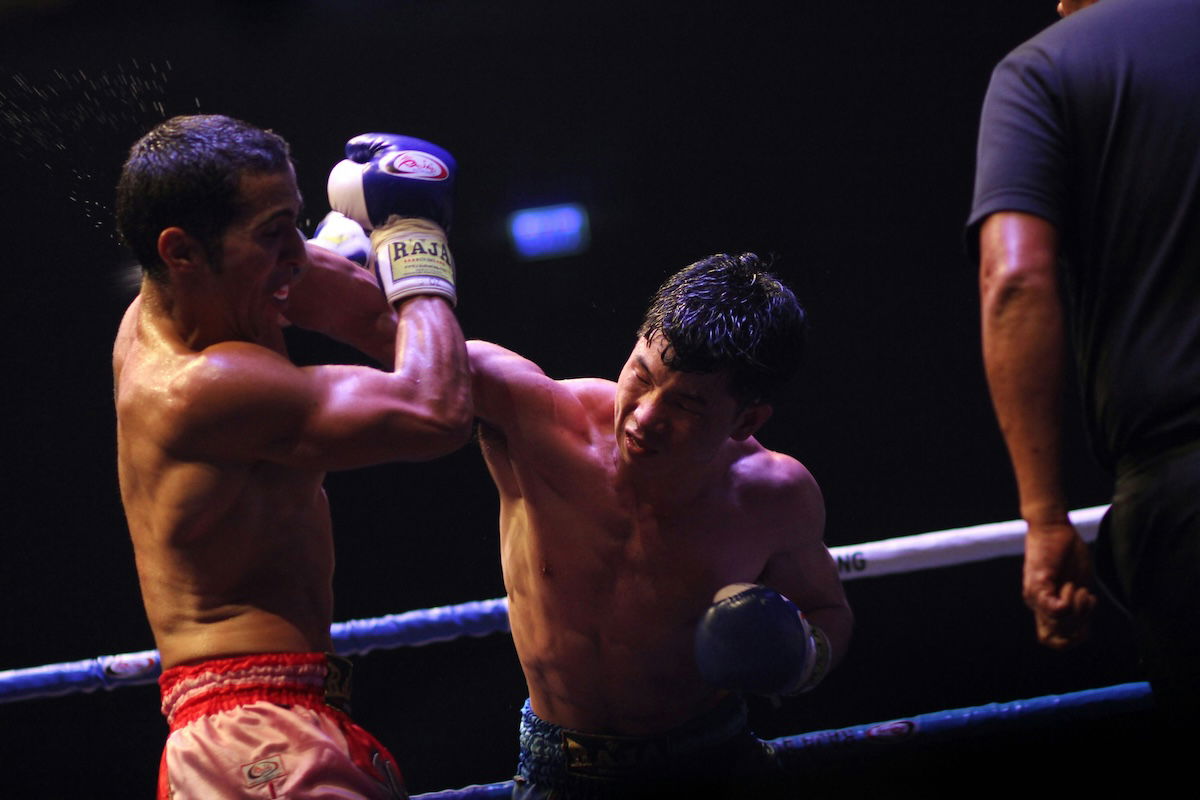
<point>624,508</point>
<point>234,555</point>
<point>223,443</point>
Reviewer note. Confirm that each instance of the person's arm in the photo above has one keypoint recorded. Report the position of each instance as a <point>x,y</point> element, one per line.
<point>502,383</point>
<point>241,402</point>
<point>783,633</point>
<point>341,300</point>
<point>526,416</point>
<point>1024,348</point>
<point>515,397</point>
<point>803,569</point>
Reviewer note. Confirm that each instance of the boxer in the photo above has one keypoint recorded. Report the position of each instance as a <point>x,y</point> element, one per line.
<point>223,443</point>
<point>626,509</point>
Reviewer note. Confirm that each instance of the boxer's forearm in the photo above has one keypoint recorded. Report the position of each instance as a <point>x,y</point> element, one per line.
<point>431,365</point>
<point>341,300</point>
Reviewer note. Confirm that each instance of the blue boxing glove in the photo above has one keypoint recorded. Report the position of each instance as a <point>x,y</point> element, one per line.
<point>752,639</point>
<point>400,189</point>
<point>343,236</point>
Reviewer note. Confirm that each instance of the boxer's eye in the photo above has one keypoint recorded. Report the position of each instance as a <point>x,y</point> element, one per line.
<point>279,230</point>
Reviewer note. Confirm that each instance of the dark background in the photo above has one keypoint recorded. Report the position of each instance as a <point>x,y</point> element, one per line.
<point>837,136</point>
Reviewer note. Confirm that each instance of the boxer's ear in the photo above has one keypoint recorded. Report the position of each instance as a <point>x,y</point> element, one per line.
<point>750,419</point>
<point>180,251</point>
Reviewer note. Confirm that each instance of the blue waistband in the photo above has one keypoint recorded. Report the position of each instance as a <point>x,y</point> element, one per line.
<point>550,752</point>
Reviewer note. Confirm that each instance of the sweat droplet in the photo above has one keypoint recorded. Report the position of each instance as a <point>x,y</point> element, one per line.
<point>70,120</point>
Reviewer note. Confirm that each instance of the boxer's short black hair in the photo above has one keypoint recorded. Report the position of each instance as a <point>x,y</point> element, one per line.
<point>729,314</point>
<point>186,172</point>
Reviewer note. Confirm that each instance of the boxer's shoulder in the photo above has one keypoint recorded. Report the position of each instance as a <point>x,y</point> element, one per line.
<point>596,394</point>
<point>757,469</point>
<point>776,484</point>
<point>192,402</point>
<point>232,370</point>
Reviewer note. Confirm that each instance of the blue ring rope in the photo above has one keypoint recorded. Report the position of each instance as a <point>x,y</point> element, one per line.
<point>867,740</point>
<point>410,629</point>
<point>485,617</point>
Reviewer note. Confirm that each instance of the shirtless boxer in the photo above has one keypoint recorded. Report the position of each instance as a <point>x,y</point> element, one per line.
<point>625,508</point>
<point>223,444</point>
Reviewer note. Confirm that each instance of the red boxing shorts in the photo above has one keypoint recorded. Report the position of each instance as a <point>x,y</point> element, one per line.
<point>263,726</point>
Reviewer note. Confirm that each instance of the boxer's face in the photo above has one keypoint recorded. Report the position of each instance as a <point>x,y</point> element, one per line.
<point>262,252</point>
<point>672,420</point>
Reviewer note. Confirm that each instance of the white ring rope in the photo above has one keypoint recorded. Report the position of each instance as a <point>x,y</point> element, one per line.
<point>949,547</point>
<point>484,617</point>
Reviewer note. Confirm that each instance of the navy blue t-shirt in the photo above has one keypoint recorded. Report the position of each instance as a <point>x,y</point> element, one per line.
<point>1094,125</point>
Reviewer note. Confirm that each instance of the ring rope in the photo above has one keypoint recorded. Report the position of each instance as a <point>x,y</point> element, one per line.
<point>868,740</point>
<point>484,617</point>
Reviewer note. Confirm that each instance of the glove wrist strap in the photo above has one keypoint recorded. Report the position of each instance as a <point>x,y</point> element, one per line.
<point>821,656</point>
<point>410,257</point>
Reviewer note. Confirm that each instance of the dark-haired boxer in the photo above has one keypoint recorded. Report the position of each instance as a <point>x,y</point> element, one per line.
<point>223,443</point>
<point>627,508</point>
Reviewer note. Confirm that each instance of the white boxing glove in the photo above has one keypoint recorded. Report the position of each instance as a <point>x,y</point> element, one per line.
<point>342,235</point>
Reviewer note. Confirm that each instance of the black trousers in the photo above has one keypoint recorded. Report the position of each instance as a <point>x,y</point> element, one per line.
<point>1148,557</point>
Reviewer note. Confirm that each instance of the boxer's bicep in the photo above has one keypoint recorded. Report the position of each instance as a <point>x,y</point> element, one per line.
<point>359,416</point>
<point>511,394</point>
<point>801,566</point>
<point>243,404</point>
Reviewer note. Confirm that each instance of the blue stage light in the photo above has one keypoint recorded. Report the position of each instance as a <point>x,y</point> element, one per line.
<point>549,231</point>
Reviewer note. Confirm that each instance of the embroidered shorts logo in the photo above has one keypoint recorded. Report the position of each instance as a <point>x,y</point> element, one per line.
<point>263,771</point>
